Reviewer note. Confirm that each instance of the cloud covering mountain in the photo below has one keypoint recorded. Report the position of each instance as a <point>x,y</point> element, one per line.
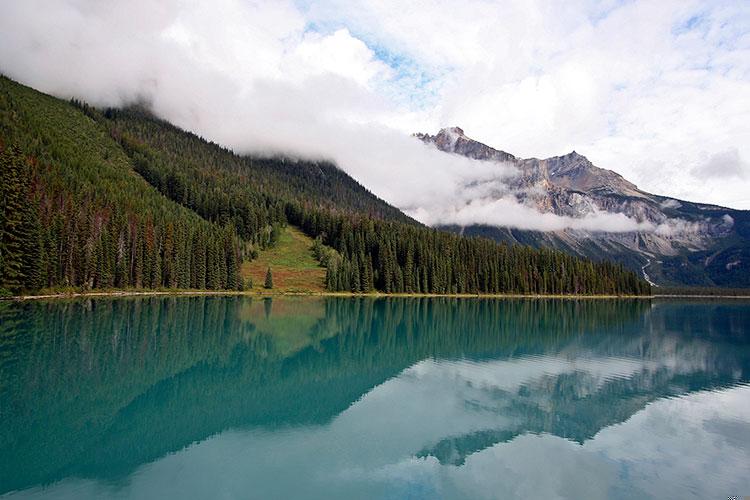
<point>659,92</point>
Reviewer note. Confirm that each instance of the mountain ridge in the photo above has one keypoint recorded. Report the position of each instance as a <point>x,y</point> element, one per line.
<point>682,242</point>
<point>117,199</point>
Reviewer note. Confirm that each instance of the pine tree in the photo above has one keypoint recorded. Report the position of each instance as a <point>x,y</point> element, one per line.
<point>32,243</point>
<point>366,274</point>
<point>269,279</point>
<point>19,225</point>
<point>356,278</point>
<point>332,278</point>
<point>199,260</point>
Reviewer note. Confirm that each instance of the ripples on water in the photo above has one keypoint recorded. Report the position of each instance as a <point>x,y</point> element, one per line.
<point>234,397</point>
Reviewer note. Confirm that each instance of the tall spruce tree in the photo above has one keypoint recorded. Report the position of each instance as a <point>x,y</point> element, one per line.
<point>269,279</point>
<point>19,225</point>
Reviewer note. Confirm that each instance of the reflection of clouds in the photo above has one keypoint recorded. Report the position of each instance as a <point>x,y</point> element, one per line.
<point>510,374</point>
<point>687,447</point>
<point>690,447</point>
<point>528,467</point>
<point>532,467</point>
<point>736,433</point>
<point>408,478</point>
<point>670,445</point>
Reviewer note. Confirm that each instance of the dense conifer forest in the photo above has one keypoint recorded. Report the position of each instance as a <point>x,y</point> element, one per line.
<point>75,214</point>
<point>115,198</point>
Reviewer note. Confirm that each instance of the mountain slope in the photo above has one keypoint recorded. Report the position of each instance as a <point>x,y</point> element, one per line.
<point>292,262</point>
<point>86,218</point>
<point>168,157</point>
<point>377,247</point>
<point>678,242</point>
<point>119,199</point>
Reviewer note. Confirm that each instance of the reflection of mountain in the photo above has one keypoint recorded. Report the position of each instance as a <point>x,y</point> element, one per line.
<point>555,406</point>
<point>97,387</point>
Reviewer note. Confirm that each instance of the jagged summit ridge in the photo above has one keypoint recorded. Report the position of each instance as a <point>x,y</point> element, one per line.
<point>454,140</point>
<point>569,171</point>
<point>692,238</point>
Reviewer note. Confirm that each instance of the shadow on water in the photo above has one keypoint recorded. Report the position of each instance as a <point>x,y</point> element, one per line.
<point>95,388</point>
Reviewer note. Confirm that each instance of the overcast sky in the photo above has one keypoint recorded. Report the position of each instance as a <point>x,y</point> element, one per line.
<point>658,91</point>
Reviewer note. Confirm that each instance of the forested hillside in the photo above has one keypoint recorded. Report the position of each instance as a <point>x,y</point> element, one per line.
<point>75,214</point>
<point>250,193</point>
<point>117,198</point>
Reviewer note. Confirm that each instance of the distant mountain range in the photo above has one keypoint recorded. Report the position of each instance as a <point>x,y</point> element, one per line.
<point>677,242</point>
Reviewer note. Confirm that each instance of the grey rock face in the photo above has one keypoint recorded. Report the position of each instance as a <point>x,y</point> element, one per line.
<point>680,240</point>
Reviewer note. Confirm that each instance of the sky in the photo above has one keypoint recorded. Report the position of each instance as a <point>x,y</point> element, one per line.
<point>658,91</point>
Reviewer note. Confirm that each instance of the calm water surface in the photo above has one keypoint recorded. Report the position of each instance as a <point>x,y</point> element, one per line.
<point>212,397</point>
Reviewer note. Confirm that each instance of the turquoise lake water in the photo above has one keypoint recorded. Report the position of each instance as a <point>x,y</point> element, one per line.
<point>353,398</point>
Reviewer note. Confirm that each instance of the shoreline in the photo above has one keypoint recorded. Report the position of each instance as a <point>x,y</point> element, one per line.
<point>270,294</point>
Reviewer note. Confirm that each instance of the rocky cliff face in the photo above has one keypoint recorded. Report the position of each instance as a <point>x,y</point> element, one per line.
<point>677,242</point>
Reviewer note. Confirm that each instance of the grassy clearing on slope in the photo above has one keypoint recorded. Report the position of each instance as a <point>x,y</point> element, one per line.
<point>292,264</point>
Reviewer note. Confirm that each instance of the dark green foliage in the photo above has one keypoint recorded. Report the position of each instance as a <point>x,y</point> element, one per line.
<point>725,263</point>
<point>403,258</point>
<point>74,214</point>
<point>20,244</point>
<point>223,187</point>
<point>687,291</point>
<point>269,279</point>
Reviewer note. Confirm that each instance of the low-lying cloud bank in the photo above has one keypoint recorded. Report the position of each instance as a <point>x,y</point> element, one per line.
<point>253,76</point>
<point>510,213</point>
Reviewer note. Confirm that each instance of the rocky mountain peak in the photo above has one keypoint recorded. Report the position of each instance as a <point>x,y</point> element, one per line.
<point>454,140</point>
<point>571,171</point>
<point>575,171</point>
<point>676,246</point>
<point>563,164</point>
<point>455,131</point>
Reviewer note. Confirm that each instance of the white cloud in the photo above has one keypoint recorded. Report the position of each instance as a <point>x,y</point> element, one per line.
<point>508,212</point>
<point>638,87</point>
<point>652,90</point>
<point>726,164</point>
<point>338,54</point>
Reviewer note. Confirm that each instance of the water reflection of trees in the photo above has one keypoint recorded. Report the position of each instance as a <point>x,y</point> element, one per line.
<point>97,387</point>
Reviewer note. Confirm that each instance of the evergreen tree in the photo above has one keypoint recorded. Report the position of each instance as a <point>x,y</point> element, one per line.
<point>356,278</point>
<point>269,279</point>
<point>19,225</point>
